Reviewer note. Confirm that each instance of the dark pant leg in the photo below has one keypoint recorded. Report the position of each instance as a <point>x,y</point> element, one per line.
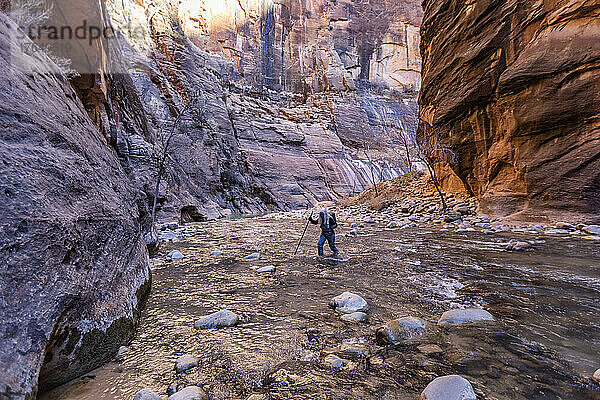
<point>322,240</point>
<point>331,239</point>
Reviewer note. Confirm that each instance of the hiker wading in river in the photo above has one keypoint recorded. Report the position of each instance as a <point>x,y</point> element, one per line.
<point>328,224</point>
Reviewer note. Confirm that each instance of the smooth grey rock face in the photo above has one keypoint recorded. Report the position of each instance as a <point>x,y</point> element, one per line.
<point>400,329</point>
<point>355,317</point>
<point>467,316</point>
<point>451,387</point>
<point>74,264</point>
<point>185,363</point>
<point>348,303</point>
<point>189,393</point>
<point>146,394</point>
<point>220,319</point>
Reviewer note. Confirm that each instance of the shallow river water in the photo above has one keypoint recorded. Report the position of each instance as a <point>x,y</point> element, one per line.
<point>544,345</point>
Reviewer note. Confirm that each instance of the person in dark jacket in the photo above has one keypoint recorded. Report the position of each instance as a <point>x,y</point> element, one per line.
<point>328,224</point>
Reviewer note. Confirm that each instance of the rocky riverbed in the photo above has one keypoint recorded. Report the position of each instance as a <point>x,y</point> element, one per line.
<point>539,339</point>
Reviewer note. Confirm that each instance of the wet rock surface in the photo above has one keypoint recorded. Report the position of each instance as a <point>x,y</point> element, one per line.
<point>349,303</point>
<point>189,393</point>
<point>400,329</point>
<point>219,319</point>
<point>466,316</point>
<point>452,387</point>
<point>186,362</point>
<point>288,331</point>
<point>146,394</point>
<point>73,262</point>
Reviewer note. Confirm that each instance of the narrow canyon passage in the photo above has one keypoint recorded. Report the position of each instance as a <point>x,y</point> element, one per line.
<point>544,343</point>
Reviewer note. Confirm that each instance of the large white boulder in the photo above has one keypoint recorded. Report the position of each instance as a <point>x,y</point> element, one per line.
<point>348,303</point>
<point>146,394</point>
<point>451,387</point>
<point>189,393</point>
<point>220,319</point>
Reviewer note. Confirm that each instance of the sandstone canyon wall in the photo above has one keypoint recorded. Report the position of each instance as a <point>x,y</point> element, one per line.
<point>513,90</point>
<point>290,95</point>
<point>73,262</point>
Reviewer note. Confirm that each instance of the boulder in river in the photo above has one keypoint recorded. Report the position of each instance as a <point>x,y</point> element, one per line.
<point>564,225</point>
<point>266,270</point>
<point>146,394</point>
<point>189,393</point>
<point>216,253</point>
<point>175,255</point>
<point>467,316</point>
<point>185,363</point>
<point>122,351</point>
<point>259,397</point>
<point>399,329</point>
<point>348,303</point>
<point>335,362</point>
<point>596,376</point>
<point>220,319</point>
<point>591,229</point>
<point>252,257</point>
<point>451,387</point>
<point>355,317</point>
<point>514,245</point>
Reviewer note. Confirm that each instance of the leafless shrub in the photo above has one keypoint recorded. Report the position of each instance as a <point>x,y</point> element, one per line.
<point>395,131</point>
<point>431,151</point>
<point>194,106</point>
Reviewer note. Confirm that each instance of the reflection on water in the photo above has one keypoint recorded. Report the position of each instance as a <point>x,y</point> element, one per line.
<point>547,303</point>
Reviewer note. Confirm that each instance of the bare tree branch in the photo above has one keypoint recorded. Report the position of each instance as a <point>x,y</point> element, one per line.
<point>431,151</point>
<point>164,155</point>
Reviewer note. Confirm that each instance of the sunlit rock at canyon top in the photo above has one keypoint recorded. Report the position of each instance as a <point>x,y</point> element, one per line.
<point>377,42</point>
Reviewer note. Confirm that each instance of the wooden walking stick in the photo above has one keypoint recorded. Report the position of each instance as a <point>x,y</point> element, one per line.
<point>303,233</point>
